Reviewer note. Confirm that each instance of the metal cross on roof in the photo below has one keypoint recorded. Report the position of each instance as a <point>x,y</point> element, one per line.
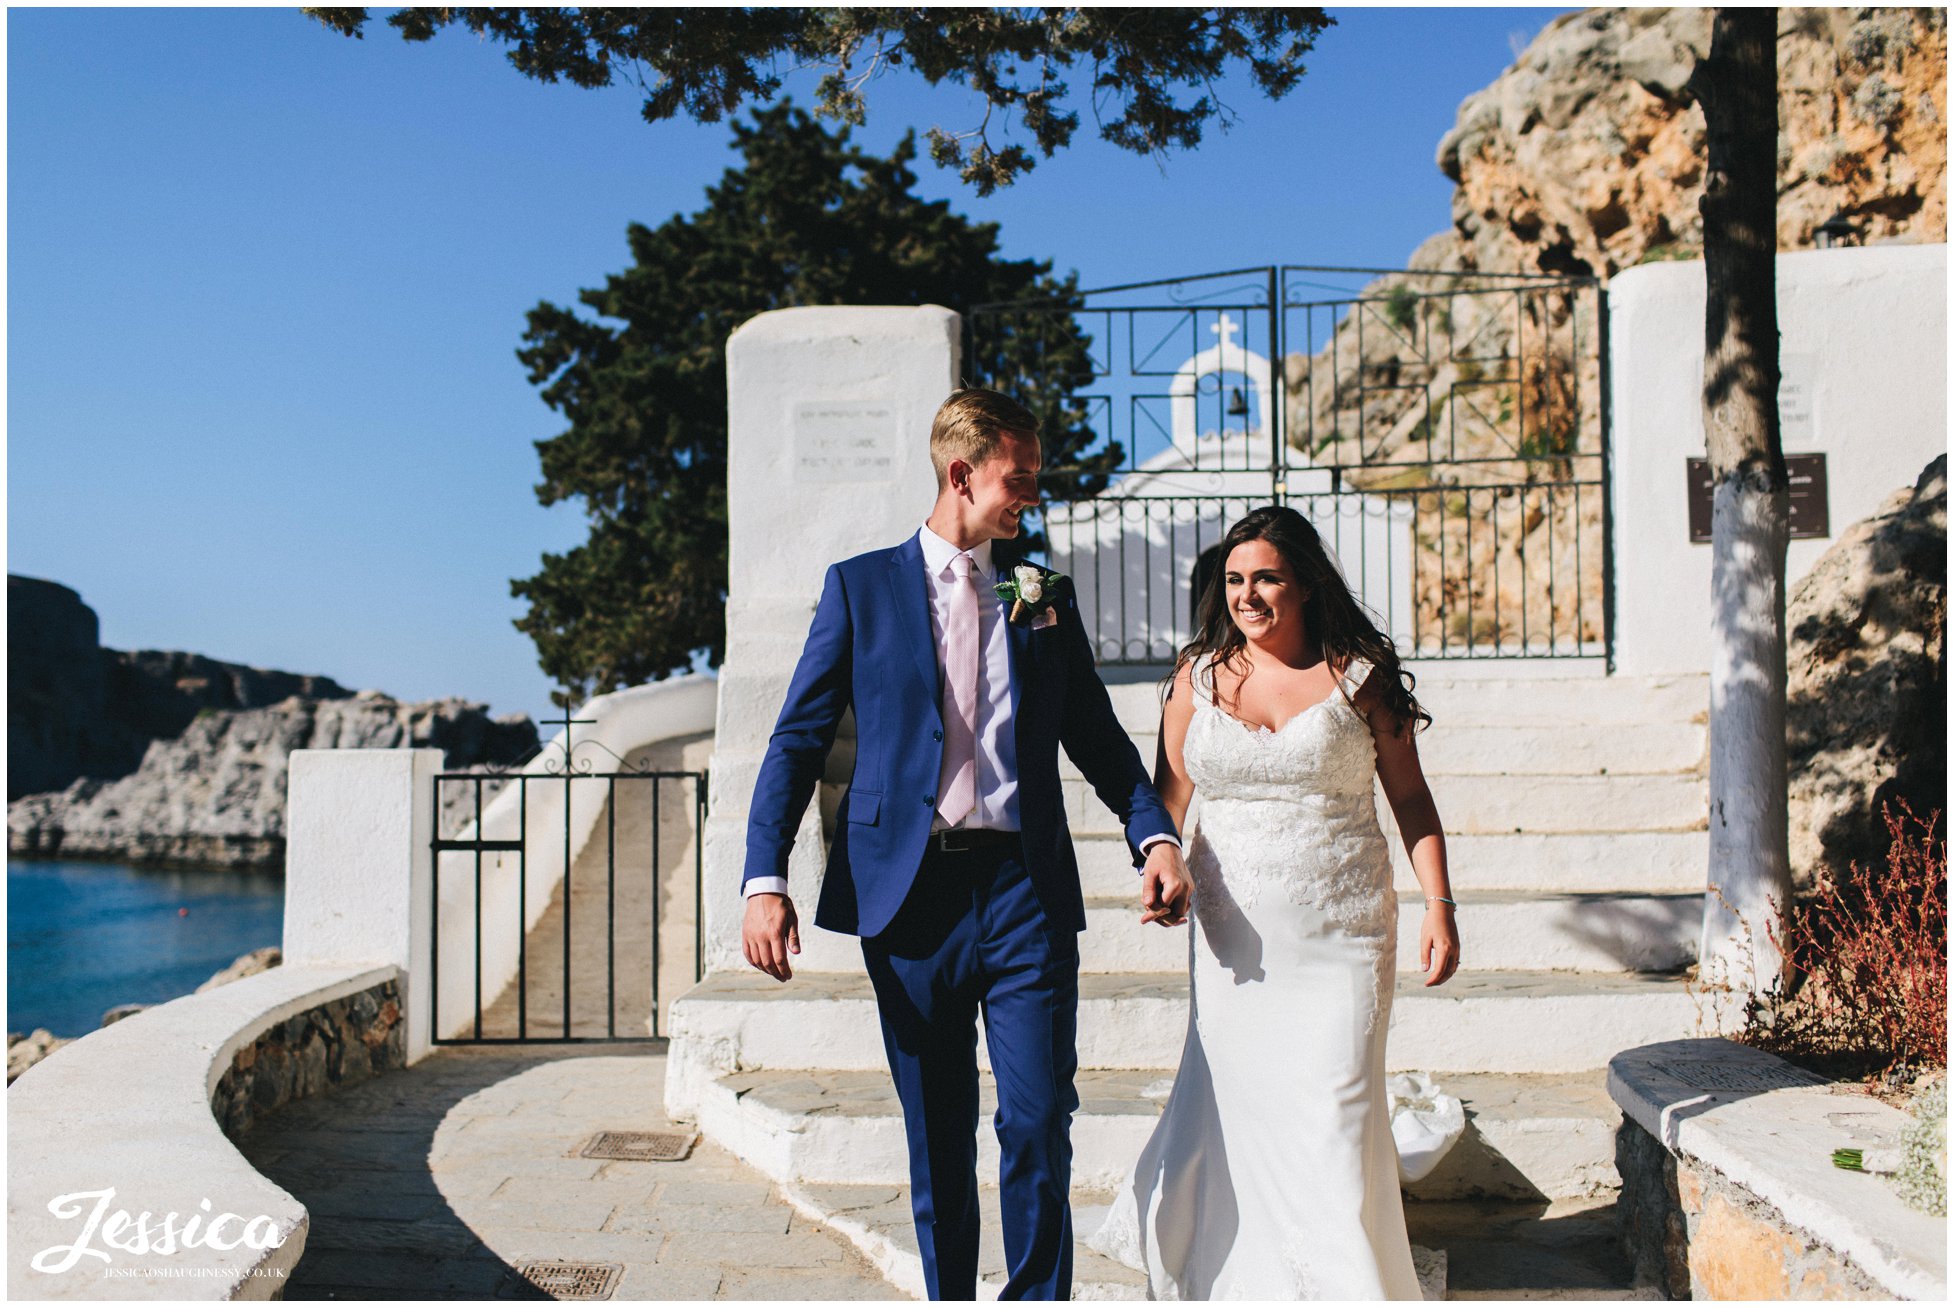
<point>566,722</point>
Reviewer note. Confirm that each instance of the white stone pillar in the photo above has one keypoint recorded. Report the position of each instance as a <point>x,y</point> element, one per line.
<point>359,868</point>
<point>828,425</point>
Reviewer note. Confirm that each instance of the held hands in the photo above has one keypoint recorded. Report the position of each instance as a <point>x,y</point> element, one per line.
<point>1439,936</point>
<point>770,932</point>
<point>1165,886</point>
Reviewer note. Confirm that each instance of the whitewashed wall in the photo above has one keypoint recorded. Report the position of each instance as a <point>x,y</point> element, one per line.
<point>828,427</point>
<point>359,869</point>
<point>1863,350</point>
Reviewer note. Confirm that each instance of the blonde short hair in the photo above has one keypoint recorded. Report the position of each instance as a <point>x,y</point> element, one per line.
<point>970,425</point>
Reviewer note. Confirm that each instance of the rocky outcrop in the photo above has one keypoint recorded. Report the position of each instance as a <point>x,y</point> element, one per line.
<point>1584,158</point>
<point>1587,156</point>
<point>76,709</point>
<point>159,756</point>
<point>215,795</point>
<point>1866,700</point>
<point>23,1051</point>
<point>258,960</point>
<point>57,727</point>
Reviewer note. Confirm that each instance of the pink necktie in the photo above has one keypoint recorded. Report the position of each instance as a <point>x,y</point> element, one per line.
<point>956,792</point>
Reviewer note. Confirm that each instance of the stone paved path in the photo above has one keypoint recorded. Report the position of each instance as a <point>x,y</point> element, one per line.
<point>432,1182</point>
<point>1564,1249</point>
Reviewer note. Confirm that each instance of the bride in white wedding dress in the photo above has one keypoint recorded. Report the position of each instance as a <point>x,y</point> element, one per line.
<point>1272,1173</point>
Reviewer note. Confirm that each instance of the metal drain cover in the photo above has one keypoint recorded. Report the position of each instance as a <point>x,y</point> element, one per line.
<point>554,1278</point>
<point>640,1146</point>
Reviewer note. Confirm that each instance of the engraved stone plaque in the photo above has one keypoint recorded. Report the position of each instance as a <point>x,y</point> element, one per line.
<point>841,441</point>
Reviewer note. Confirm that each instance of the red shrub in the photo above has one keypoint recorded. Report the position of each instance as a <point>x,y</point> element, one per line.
<point>1866,962</point>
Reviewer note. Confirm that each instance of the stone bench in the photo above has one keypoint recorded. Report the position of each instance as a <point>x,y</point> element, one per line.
<point>1728,1187</point>
<point>125,1131</point>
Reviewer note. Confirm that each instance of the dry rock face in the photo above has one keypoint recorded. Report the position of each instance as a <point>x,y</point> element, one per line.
<point>258,960</point>
<point>1866,701</point>
<point>1584,158</point>
<point>1588,154</point>
<point>215,795</point>
<point>159,756</point>
<point>76,709</point>
<point>23,1051</point>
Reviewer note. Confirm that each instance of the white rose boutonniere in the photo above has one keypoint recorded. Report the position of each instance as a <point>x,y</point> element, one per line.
<point>1031,591</point>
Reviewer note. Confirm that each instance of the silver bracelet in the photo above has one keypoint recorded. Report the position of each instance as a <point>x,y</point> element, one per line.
<point>1442,899</point>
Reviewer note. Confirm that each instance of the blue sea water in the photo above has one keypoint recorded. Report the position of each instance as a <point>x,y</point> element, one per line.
<point>84,937</point>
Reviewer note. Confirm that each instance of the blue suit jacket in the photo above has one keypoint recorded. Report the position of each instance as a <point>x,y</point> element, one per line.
<point>871,648</point>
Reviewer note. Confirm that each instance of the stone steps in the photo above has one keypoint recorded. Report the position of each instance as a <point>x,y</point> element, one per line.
<point>1628,862</point>
<point>1479,1021</point>
<point>1503,930</point>
<point>1576,834</point>
<point>1459,698</point>
<point>1546,1136</point>
<point>1568,749</point>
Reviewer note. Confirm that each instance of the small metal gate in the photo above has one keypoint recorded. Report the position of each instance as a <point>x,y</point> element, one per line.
<point>516,960</point>
<point>1446,432</point>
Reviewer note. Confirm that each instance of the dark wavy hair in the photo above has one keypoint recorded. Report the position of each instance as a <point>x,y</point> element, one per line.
<point>1331,613</point>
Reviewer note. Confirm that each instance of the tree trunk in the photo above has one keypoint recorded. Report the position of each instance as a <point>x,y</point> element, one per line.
<point>1750,524</point>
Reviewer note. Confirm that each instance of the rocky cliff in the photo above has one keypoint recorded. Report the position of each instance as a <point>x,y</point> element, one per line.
<point>76,709</point>
<point>1866,700</point>
<point>211,741</point>
<point>1584,158</point>
<point>1587,155</point>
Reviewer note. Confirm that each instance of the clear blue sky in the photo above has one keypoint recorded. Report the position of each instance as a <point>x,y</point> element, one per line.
<point>266,285</point>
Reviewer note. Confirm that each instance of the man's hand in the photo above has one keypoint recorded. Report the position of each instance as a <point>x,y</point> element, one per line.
<point>1165,886</point>
<point>769,933</point>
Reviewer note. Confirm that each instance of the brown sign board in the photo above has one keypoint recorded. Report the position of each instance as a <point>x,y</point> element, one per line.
<point>1811,516</point>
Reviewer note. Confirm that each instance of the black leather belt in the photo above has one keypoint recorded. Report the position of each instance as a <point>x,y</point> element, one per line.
<point>955,840</point>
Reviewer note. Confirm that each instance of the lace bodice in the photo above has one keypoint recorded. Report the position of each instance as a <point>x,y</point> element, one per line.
<point>1292,808</point>
<point>1326,750</point>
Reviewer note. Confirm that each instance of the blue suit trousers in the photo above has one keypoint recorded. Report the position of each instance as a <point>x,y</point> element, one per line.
<point>972,937</point>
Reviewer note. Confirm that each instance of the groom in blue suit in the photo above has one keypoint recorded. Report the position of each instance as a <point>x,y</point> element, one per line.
<point>951,857</point>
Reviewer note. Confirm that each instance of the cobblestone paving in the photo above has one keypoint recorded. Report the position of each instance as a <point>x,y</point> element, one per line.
<point>431,1183</point>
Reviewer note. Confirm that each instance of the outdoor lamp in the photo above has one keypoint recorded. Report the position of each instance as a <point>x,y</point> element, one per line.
<point>1836,231</point>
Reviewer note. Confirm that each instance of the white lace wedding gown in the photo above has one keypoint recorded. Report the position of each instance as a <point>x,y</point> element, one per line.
<point>1272,1173</point>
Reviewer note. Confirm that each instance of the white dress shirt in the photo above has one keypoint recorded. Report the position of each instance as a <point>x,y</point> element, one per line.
<point>997,743</point>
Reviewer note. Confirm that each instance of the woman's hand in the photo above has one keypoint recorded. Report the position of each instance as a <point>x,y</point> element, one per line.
<point>1438,943</point>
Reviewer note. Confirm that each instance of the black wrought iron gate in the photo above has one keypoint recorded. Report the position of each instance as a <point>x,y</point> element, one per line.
<point>1445,432</point>
<point>566,900</point>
